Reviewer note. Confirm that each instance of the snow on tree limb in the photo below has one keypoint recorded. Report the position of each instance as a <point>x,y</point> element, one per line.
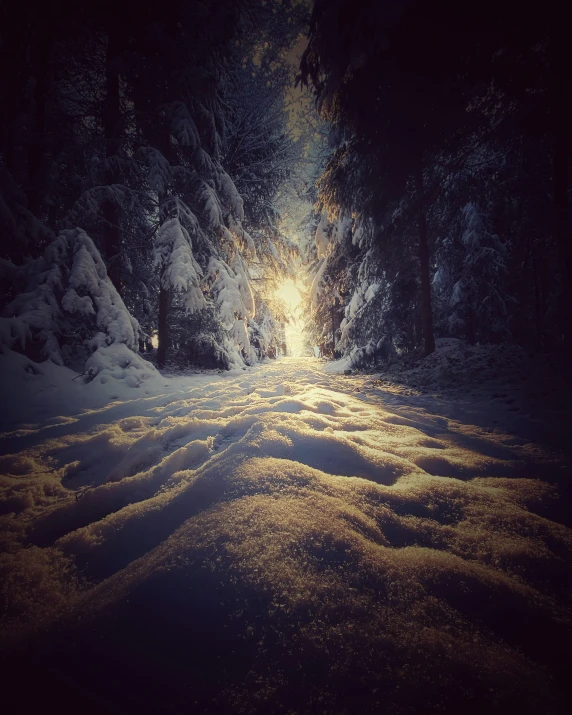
<point>180,270</point>
<point>69,293</point>
<point>229,292</point>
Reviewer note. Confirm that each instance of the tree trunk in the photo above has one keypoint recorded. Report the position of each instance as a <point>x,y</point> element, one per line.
<point>163,326</point>
<point>162,143</point>
<point>335,310</point>
<point>36,188</point>
<point>538,307</point>
<point>560,112</point>
<point>158,135</point>
<point>426,313</point>
<point>112,116</point>
<point>471,336</point>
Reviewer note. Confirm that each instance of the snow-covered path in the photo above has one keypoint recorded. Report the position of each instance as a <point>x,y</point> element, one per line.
<point>286,540</point>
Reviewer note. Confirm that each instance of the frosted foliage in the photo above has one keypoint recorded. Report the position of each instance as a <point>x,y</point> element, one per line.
<point>228,236</point>
<point>358,313</point>
<point>457,295</point>
<point>211,205</point>
<point>439,279</point>
<point>183,126</point>
<point>47,270</point>
<point>363,294</point>
<point>371,292</point>
<point>316,288</point>
<point>474,226</point>
<point>87,270</point>
<point>362,231</point>
<point>59,295</point>
<point>241,273</point>
<point>240,334</point>
<point>355,304</point>
<point>118,362</point>
<point>34,314</point>
<point>346,330</point>
<point>74,303</point>
<point>327,234</point>
<point>89,276</point>
<point>227,291</point>
<point>250,245</point>
<point>88,206</point>
<point>159,173</point>
<point>272,248</point>
<point>237,230</point>
<point>341,227</point>
<point>473,285</point>
<point>181,272</point>
<point>233,351</point>
<point>322,238</point>
<point>230,195</point>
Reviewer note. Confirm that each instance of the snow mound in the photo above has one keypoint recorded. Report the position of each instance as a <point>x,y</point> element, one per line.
<point>117,362</point>
<point>309,543</point>
<point>69,298</point>
<point>40,395</point>
<point>456,365</point>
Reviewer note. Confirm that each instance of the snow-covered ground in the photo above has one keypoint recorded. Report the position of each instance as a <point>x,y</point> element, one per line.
<point>280,539</point>
<point>494,386</point>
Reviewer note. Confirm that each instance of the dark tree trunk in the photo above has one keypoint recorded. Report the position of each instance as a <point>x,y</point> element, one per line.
<point>157,133</point>
<point>162,143</point>
<point>426,313</point>
<point>36,188</point>
<point>471,336</point>
<point>538,307</point>
<point>561,116</point>
<point>164,305</point>
<point>417,326</point>
<point>112,117</point>
<point>335,324</point>
<point>8,143</point>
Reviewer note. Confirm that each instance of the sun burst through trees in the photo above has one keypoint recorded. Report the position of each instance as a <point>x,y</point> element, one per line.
<point>291,292</point>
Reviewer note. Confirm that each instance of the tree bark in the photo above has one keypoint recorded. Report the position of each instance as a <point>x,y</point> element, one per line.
<point>471,336</point>
<point>561,115</point>
<point>112,116</point>
<point>163,326</point>
<point>335,310</point>
<point>426,312</point>
<point>157,133</point>
<point>36,188</point>
<point>161,141</point>
<point>538,307</point>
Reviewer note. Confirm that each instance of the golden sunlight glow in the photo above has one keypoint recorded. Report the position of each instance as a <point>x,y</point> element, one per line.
<point>289,292</point>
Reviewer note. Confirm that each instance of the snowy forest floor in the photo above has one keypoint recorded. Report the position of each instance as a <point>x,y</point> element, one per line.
<point>290,539</point>
<point>500,386</point>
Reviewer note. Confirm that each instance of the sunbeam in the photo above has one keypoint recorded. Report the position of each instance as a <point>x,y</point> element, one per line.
<point>291,293</point>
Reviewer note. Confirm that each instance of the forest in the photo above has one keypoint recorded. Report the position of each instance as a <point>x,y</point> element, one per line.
<point>160,176</point>
<point>143,158</point>
<point>285,357</point>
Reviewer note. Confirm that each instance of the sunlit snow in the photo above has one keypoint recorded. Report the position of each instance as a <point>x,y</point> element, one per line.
<point>290,531</point>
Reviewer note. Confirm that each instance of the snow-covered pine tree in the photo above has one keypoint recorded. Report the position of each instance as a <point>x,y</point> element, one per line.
<point>70,313</point>
<point>479,305</point>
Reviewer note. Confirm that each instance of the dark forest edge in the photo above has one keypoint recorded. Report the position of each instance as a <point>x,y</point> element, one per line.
<point>140,158</point>
<point>138,186</point>
<point>446,195</point>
